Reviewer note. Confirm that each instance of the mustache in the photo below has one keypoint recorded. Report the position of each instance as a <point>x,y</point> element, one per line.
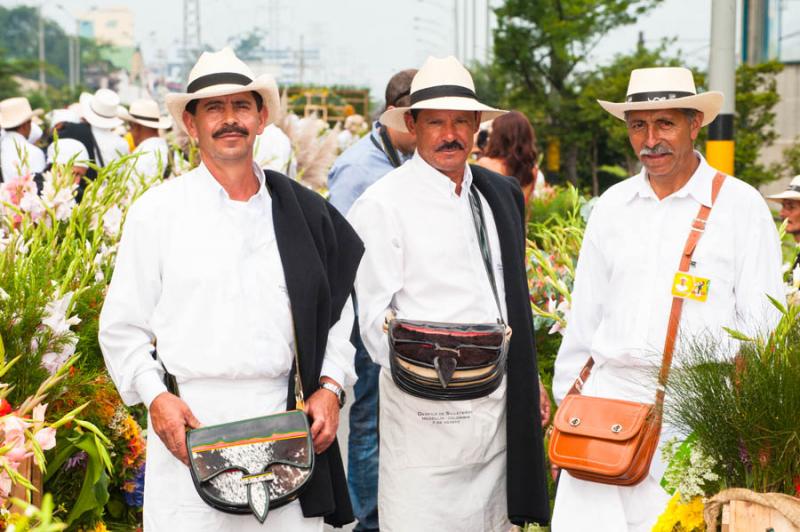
<point>658,149</point>
<point>230,128</point>
<point>453,145</point>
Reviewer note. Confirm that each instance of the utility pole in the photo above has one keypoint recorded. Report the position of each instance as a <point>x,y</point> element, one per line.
<point>722,77</point>
<point>455,29</point>
<point>42,80</point>
<point>487,50</point>
<point>474,30</point>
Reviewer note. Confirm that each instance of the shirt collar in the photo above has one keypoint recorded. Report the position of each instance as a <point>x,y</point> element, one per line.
<point>440,181</point>
<point>212,186</point>
<point>698,186</point>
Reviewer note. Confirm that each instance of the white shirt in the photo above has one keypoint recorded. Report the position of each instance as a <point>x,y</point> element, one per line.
<point>19,157</point>
<point>111,145</point>
<point>202,275</point>
<point>152,158</point>
<point>630,253</point>
<point>422,256</point>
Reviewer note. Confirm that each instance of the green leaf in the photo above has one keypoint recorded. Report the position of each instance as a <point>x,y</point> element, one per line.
<point>736,335</point>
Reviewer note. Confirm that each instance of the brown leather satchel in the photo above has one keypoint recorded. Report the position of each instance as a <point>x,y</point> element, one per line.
<point>612,441</point>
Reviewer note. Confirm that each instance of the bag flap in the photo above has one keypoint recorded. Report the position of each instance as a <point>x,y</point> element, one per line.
<point>600,418</point>
<point>251,445</point>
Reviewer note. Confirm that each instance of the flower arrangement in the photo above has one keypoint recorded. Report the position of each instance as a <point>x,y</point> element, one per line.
<point>56,257</point>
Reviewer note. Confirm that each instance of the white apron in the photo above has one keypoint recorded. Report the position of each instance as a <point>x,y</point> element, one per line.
<point>443,463</point>
<point>171,503</point>
<point>582,505</point>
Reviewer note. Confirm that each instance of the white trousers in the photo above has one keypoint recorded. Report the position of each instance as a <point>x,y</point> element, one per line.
<point>171,503</point>
<point>442,463</point>
<point>582,505</point>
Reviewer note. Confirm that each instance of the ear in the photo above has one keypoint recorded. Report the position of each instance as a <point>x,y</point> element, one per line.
<point>263,115</point>
<point>477,122</point>
<point>188,121</point>
<point>410,124</point>
<point>695,124</point>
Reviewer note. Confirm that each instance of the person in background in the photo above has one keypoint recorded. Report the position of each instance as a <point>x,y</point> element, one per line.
<point>145,120</point>
<point>69,152</point>
<point>790,211</point>
<point>18,157</point>
<point>100,110</point>
<point>353,126</point>
<point>511,150</point>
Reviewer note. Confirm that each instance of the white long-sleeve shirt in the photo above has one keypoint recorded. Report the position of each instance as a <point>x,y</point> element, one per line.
<point>630,253</point>
<point>201,275</point>
<point>19,157</point>
<point>152,157</point>
<point>422,257</point>
<point>112,146</point>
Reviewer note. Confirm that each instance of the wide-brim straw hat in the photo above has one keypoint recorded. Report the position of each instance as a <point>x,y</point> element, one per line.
<point>441,83</point>
<point>145,112</point>
<point>792,192</point>
<point>665,88</point>
<point>220,74</point>
<point>64,151</point>
<point>101,109</point>
<point>16,111</point>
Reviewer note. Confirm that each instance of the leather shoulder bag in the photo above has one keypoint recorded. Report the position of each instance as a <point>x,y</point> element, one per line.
<point>612,441</point>
<point>451,361</point>
<point>252,465</point>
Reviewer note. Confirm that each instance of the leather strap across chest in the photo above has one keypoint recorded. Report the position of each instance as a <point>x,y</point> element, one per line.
<point>696,232</point>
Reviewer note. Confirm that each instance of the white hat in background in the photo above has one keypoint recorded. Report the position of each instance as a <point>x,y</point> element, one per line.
<point>101,108</point>
<point>440,84</point>
<point>146,113</point>
<point>665,88</point>
<point>15,112</point>
<point>62,151</point>
<point>792,192</point>
<point>56,116</point>
<point>220,74</point>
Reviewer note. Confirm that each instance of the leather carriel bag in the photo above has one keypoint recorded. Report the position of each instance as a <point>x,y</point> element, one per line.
<point>252,465</point>
<point>451,361</point>
<point>612,441</point>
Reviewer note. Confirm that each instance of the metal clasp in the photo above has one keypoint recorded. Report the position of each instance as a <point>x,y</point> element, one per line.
<point>616,428</point>
<point>574,421</point>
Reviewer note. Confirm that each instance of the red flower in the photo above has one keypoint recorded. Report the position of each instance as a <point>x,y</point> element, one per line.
<point>5,407</point>
<point>797,486</point>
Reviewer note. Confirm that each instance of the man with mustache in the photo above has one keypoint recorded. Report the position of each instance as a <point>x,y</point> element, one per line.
<point>790,211</point>
<point>475,464</point>
<point>628,282</point>
<point>233,272</point>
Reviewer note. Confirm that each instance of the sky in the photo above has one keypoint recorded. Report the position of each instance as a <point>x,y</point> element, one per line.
<point>364,42</point>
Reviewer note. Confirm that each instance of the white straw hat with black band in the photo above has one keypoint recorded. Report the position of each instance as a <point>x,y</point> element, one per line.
<point>792,192</point>
<point>665,88</point>
<point>220,74</point>
<point>101,108</point>
<point>146,113</point>
<point>441,83</point>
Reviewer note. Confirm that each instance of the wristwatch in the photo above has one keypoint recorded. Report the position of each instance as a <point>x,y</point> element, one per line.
<point>337,390</point>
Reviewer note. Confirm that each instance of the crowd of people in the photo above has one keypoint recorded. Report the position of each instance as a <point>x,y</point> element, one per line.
<point>252,287</point>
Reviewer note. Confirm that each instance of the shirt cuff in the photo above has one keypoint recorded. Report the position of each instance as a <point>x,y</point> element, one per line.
<point>332,371</point>
<point>149,385</point>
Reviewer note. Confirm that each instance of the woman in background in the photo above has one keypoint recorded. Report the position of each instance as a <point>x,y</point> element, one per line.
<point>512,151</point>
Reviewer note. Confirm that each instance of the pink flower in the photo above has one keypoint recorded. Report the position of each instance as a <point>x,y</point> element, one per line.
<point>5,484</point>
<point>46,438</point>
<point>38,412</point>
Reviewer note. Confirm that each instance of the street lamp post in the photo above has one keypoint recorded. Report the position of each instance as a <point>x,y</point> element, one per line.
<point>42,80</point>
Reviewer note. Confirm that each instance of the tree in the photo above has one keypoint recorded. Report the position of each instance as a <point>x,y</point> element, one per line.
<point>8,69</point>
<point>540,46</point>
<point>756,97</point>
<point>249,46</point>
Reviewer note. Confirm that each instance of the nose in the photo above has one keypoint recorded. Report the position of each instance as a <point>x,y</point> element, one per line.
<point>230,114</point>
<point>652,137</point>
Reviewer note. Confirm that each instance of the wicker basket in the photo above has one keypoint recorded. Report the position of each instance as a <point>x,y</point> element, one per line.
<point>29,470</point>
<point>747,511</point>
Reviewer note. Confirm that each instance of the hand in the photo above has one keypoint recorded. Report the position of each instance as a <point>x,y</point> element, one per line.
<point>170,417</point>
<point>544,404</point>
<point>323,409</point>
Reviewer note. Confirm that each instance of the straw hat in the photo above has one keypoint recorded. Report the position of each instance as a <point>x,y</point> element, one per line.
<point>665,88</point>
<point>62,151</point>
<point>220,74</point>
<point>145,112</point>
<point>440,84</point>
<point>792,192</point>
<point>101,108</point>
<point>15,112</point>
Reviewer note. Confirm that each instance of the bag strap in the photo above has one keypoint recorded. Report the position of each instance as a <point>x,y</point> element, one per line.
<point>696,231</point>
<point>483,242</point>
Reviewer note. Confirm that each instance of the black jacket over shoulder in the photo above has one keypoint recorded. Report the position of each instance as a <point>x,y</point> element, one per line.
<point>526,481</point>
<point>320,254</point>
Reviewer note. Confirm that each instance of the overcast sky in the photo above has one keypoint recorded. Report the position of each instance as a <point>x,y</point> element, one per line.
<point>363,42</point>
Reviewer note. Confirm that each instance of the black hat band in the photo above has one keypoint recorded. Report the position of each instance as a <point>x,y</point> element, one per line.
<point>442,91</point>
<point>218,78</point>
<point>657,96</point>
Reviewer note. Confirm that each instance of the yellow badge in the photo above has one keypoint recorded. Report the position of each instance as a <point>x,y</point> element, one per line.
<point>690,287</point>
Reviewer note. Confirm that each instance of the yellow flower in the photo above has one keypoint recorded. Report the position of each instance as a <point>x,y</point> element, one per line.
<point>100,527</point>
<point>681,517</point>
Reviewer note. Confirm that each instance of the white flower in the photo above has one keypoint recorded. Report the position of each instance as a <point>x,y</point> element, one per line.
<point>53,361</point>
<point>4,295</point>
<point>796,278</point>
<point>112,220</point>
<point>32,204</point>
<point>56,315</point>
<point>60,199</point>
